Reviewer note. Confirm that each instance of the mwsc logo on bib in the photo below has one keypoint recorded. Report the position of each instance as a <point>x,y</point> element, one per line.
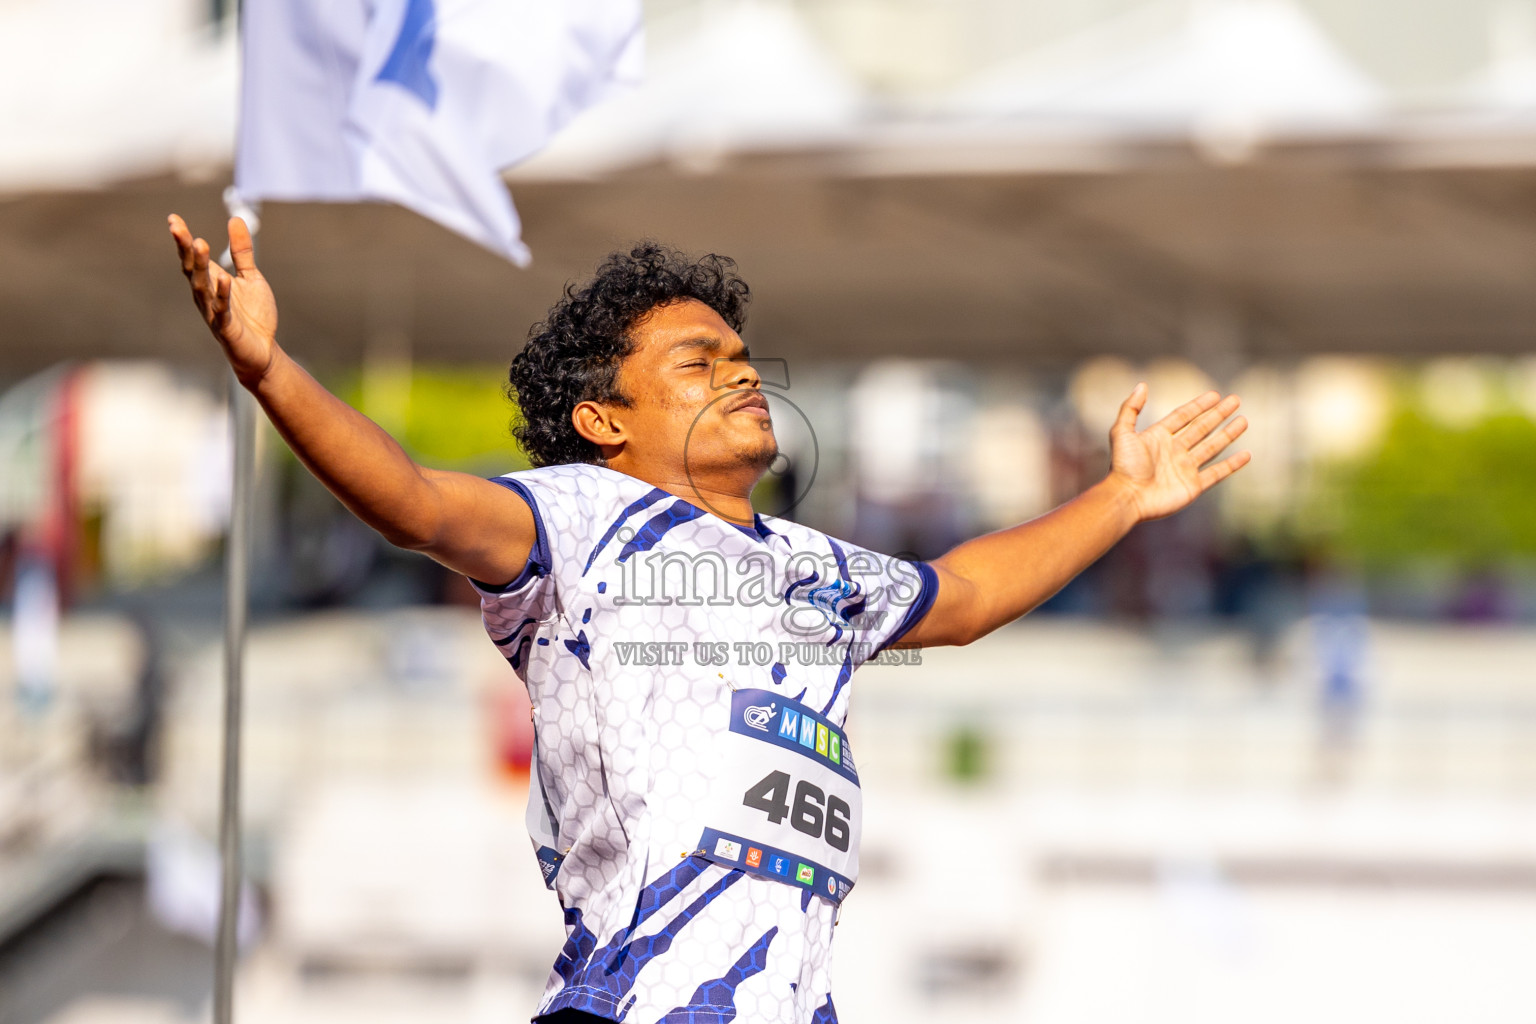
<point>758,716</point>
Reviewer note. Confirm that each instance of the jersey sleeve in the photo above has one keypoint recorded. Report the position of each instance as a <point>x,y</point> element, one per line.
<point>893,594</point>
<point>509,610</point>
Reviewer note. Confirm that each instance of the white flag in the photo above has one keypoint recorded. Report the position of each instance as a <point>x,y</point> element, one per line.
<point>421,102</point>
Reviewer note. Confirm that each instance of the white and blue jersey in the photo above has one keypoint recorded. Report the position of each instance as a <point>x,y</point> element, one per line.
<point>668,652</point>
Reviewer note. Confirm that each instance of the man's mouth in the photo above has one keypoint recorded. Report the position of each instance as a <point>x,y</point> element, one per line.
<point>751,401</point>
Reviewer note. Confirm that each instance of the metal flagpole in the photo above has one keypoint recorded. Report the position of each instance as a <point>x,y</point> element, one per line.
<point>242,416</point>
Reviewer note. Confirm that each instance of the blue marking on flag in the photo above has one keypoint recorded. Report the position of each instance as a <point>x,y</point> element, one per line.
<point>406,64</point>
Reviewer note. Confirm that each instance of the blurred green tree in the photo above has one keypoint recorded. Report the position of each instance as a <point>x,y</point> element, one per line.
<point>447,417</point>
<point>1465,495</point>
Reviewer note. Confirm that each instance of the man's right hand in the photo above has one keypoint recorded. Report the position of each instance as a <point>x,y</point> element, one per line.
<point>467,523</point>
<point>239,309</point>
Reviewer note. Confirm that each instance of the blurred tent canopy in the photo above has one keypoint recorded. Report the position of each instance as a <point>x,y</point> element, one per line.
<point>1035,214</point>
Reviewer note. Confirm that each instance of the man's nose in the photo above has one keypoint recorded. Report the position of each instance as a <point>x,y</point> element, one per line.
<point>740,374</point>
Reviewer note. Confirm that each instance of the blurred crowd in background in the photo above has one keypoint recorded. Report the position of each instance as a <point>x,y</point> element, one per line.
<point>1270,758</point>
<point>1407,477</point>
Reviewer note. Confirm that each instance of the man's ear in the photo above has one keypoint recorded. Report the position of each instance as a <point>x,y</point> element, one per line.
<point>596,422</point>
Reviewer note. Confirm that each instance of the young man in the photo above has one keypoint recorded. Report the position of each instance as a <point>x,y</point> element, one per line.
<point>694,802</point>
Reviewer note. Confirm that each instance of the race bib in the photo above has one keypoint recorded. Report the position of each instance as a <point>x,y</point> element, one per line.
<point>786,802</point>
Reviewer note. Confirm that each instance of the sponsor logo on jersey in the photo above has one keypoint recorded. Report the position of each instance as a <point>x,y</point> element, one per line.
<point>836,753</point>
<point>789,724</point>
<point>728,848</point>
<point>831,886</point>
<point>754,857</point>
<point>805,874</point>
<point>807,732</point>
<point>758,716</point>
<point>781,866</point>
<point>821,739</point>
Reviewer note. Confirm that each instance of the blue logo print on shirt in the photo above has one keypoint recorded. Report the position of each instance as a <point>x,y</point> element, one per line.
<point>826,599</point>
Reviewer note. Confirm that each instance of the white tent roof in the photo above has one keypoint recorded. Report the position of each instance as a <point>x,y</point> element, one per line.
<point>144,90</point>
<point>1507,86</point>
<point>1211,66</point>
<point>94,92</point>
<point>746,75</point>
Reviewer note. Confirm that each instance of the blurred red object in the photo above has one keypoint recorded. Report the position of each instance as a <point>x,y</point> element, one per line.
<point>511,718</point>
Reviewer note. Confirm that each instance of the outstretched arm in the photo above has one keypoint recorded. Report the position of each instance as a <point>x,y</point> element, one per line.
<point>990,581</point>
<point>470,525</point>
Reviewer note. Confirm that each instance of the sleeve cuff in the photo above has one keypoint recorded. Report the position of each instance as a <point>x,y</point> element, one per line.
<point>539,562</point>
<point>919,608</point>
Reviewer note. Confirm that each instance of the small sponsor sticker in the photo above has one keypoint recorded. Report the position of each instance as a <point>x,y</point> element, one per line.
<point>754,857</point>
<point>807,732</point>
<point>837,749</point>
<point>805,874</point>
<point>781,866</point>
<point>789,724</point>
<point>728,848</point>
<point>821,739</point>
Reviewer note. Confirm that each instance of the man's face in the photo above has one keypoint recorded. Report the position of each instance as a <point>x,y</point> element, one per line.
<point>695,402</point>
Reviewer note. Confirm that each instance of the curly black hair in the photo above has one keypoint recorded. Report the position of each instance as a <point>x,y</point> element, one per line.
<point>573,355</point>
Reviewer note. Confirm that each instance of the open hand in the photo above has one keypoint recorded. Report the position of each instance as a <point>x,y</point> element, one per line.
<point>1161,466</point>
<point>239,308</point>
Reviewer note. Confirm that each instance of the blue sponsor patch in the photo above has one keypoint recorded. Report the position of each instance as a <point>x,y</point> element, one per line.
<point>807,732</point>
<point>789,724</point>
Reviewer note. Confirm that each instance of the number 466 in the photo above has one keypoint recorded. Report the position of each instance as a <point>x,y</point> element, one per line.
<point>771,796</point>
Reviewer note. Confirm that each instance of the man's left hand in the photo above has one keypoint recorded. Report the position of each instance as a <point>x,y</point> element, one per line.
<point>1169,464</point>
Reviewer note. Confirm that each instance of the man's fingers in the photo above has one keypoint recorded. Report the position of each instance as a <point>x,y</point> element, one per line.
<point>241,251</point>
<point>1212,475</point>
<point>1180,417</point>
<point>219,283</point>
<point>1129,410</point>
<point>219,305</point>
<point>1198,428</point>
<point>183,239</point>
<point>202,286</point>
<point>1212,445</point>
